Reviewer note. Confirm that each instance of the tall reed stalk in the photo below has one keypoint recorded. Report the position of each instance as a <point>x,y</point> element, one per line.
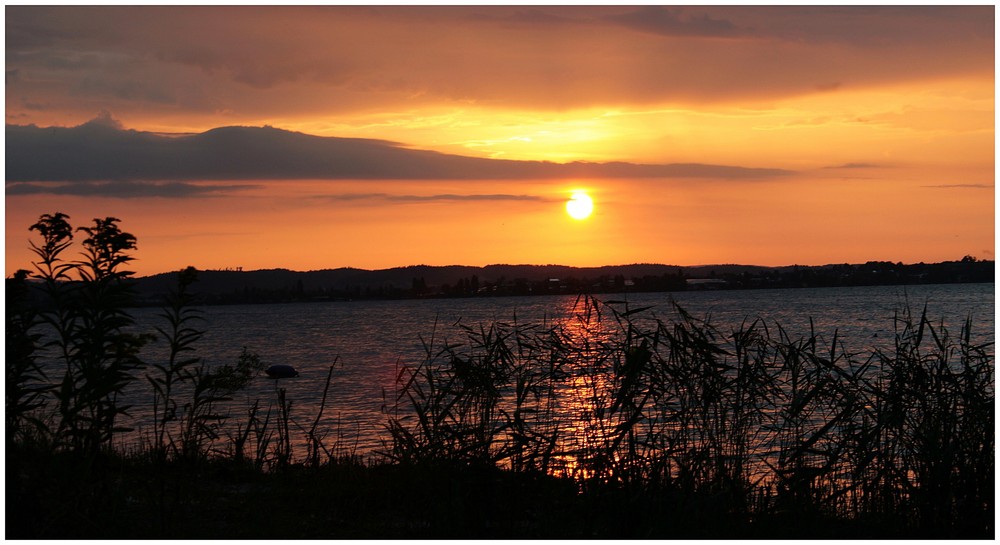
<point>181,335</point>
<point>211,387</point>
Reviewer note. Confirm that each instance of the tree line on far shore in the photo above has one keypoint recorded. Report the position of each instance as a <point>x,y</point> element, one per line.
<point>234,286</point>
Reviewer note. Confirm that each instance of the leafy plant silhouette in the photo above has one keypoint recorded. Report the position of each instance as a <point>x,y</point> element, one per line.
<point>86,312</point>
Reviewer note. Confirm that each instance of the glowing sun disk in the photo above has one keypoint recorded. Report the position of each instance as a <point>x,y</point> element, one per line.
<point>580,205</point>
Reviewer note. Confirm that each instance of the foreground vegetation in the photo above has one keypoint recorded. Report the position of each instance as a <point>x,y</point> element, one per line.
<point>620,424</point>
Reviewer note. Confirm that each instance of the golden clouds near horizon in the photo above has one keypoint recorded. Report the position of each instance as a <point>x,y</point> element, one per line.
<point>833,216</point>
<point>947,123</point>
<point>804,135</point>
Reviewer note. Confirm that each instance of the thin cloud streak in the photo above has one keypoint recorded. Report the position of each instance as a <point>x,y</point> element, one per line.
<point>854,165</point>
<point>961,186</point>
<point>125,190</point>
<point>445,197</point>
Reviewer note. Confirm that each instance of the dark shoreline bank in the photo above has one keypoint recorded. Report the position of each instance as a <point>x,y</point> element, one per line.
<point>426,282</point>
<point>57,496</point>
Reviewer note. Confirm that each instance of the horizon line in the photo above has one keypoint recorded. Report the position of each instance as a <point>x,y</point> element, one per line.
<point>635,264</point>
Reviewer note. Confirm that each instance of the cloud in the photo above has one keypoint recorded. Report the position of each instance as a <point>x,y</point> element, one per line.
<point>34,106</point>
<point>865,26</point>
<point>672,22</point>
<point>105,119</point>
<point>341,59</point>
<point>446,197</point>
<point>98,151</point>
<point>453,197</point>
<point>122,190</point>
<point>960,186</point>
<point>536,16</point>
<point>855,165</point>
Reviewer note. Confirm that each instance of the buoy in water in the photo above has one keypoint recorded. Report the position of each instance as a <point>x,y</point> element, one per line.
<point>281,371</point>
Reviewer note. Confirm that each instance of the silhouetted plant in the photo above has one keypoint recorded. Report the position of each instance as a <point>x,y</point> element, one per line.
<point>25,380</point>
<point>429,401</point>
<point>88,324</point>
<point>53,271</point>
<point>937,427</point>
<point>315,440</point>
<point>483,405</point>
<point>202,420</point>
<point>283,447</point>
<point>181,336</point>
<point>259,431</point>
<point>106,354</point>
<point>751,423</point>
<point>665,420</point>
<point>814,407</point>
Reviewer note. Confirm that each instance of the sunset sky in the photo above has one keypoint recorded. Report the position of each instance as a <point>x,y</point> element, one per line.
<point>385,136</point>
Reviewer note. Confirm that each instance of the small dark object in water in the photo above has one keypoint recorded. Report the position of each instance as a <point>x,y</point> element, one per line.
<point>281,371</point>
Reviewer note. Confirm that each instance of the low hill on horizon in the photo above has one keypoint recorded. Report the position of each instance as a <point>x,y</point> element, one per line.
<point>277,285</point>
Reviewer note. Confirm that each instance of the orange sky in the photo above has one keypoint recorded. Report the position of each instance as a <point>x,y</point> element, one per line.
<point>878,122</point>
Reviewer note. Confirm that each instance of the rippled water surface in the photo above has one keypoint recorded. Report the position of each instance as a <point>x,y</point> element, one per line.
<point>370,340</point>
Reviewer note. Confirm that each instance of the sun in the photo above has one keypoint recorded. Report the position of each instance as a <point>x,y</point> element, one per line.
<point>579,206</point>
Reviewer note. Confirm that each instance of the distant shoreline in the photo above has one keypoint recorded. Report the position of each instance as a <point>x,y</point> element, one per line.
<point>236,286</point>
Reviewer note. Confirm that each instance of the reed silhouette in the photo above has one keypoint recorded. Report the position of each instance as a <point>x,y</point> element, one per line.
<point>716,426</point>
<point>620,423</point>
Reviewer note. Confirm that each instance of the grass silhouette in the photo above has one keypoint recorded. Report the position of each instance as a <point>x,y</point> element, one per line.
<point>617,424</point>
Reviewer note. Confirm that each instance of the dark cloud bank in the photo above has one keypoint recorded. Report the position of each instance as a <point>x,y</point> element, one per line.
<point>100,151</point>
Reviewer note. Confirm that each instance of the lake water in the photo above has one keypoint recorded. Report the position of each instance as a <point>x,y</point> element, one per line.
<point>368,341</point>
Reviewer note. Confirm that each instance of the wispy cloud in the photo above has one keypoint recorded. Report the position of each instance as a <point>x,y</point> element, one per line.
<point>445,197</point>
<point>672,22</point>
<point>960,186</point>
<point>453,197</point>
<point>855,165</point>
<point>125,190</point>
